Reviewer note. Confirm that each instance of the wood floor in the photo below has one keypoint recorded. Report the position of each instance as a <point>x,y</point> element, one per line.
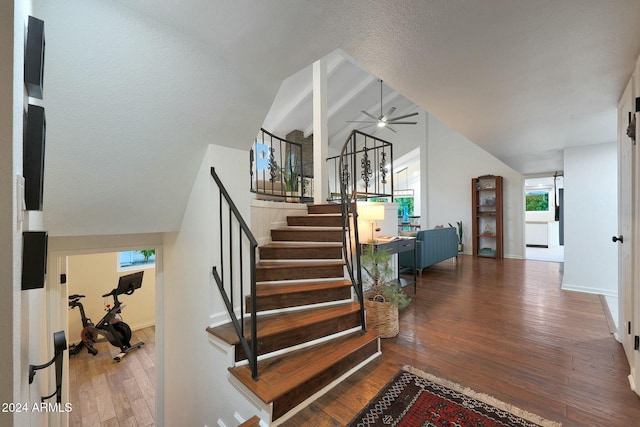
<point>504,328</point>
<point>105,393</point>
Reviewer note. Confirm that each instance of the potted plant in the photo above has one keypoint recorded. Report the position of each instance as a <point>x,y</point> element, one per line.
<point>460,244</point>
<point>147,253</point>
<point>384,297</point>
<point>290,178</point>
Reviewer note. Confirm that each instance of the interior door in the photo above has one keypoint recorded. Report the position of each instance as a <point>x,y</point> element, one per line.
<point>624,240</point>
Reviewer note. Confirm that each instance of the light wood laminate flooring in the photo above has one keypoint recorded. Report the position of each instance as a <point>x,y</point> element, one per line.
<point>105,393</point>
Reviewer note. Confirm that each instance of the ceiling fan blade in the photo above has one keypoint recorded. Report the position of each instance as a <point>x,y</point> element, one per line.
<point>402,117</point>
<point>361,121</point>
<point>391,111</point>
<point>391,129</point>
<point>393,122</point>
<point>370,115</point>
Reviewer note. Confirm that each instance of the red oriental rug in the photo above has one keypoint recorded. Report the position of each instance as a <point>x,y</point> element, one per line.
<point>416,398</point>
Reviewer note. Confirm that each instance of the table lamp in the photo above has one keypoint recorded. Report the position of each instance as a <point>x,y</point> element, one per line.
<point>371,213</point>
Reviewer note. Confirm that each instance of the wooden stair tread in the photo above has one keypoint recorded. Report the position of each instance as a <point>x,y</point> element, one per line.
<point>282,289</point>
<point>279,375</point>
<point>300,250</point>
<point>307,228</point>
<point>307,234</point>
<point>251,422</point>
<point>301,264</point>
<point>282,295</point>
<point>326,208</point>
<point>299,270</point>
<point>272,324</point>
<point>302,245</point>
<point>330,220</point>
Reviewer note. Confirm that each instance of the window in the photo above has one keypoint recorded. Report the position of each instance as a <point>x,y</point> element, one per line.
<point>137,259</point>
<point>537,201</point>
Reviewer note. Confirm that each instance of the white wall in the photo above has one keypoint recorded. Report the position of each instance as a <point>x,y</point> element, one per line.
<point>22,332</point>
<point>453,161</point>
<point>590,216</point>
<point>9,249</point>
<point>448,161</point>
<point>408,137</point>
<point>94,275</point>
<point>196,371</point>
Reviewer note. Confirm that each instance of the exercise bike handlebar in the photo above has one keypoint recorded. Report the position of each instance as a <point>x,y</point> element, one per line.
<point>119,291</point>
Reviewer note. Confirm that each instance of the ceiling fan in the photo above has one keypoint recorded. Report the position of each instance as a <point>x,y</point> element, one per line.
<point>384,120</point>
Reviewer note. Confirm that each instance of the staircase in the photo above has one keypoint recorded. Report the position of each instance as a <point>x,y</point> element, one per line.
<point>309,330</point>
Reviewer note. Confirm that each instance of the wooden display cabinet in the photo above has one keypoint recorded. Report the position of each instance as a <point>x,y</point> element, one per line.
<point>487,206</point>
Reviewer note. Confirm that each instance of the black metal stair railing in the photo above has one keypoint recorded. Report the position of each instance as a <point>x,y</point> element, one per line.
<point>350,237</point>
<point>367,168</point>
<point>231,269</point>
<point>353,169</point>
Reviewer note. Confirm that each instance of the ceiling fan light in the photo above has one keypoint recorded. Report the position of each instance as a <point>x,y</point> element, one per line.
<point>381,124</point>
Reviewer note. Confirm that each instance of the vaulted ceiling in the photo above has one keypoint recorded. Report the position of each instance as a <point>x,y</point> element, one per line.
<point>350,91</point>
<point>136,89</point>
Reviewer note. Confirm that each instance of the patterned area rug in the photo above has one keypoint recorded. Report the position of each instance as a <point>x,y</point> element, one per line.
<point>416,398</point>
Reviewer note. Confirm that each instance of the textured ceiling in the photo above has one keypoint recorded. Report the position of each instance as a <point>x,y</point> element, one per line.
<point>136,89</point>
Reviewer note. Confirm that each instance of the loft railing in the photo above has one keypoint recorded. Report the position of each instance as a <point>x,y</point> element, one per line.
<point>281,169</point>
<point>364,167</point>
<point>231,279</point>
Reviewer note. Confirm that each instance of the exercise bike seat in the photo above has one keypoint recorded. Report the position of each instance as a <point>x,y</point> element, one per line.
<point>75,296</point>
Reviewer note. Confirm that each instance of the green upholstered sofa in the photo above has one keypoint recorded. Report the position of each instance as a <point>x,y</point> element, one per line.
<point>432,246</point>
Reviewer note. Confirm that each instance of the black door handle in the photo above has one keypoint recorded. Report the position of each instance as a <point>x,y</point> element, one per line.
<point>616,239</point>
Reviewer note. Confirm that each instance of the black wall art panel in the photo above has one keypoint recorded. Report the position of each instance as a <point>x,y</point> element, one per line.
<point>34,58</point>
<point>33,157</point>
<point>34,259</point>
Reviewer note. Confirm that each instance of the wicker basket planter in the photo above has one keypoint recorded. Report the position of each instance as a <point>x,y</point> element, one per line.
<point>382,317</point>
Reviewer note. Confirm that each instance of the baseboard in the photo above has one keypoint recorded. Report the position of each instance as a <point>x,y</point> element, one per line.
<point>142,326</point>
<point>585,290</point>
<point>607,314</point>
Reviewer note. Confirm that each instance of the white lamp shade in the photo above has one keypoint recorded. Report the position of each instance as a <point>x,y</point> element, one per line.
<point>371,212</point>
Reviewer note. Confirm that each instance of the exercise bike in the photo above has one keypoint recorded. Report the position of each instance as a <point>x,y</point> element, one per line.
<point>111,326</point>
